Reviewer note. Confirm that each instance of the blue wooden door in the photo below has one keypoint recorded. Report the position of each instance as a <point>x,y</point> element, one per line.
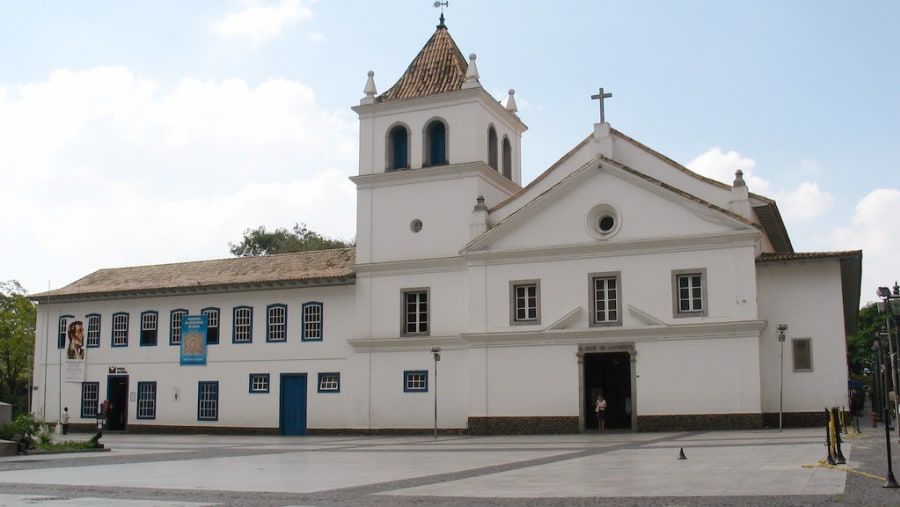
<point>292,420</point>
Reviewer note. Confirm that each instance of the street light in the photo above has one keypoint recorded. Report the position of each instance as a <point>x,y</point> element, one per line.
<point>781,329</point>
<point>436,352</point>
<point>890,300</point>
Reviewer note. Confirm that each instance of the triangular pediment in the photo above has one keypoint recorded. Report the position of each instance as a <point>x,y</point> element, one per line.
<point>641,209</point>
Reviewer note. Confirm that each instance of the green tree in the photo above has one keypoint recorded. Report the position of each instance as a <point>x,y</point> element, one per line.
<point>259,241</point>
<point>17,320</point>
<point>859,344</point>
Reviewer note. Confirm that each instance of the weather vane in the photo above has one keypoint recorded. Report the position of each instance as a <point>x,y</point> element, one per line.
<point>439,3</point>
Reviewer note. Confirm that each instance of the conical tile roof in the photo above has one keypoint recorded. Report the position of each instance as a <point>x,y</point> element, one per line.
<point>438,68</point>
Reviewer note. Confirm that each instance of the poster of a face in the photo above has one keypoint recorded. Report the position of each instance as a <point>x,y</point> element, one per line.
<point>75,342</point>
<point>75,352</point>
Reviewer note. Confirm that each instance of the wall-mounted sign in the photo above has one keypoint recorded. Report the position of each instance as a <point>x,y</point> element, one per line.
<point>193,340</point>
<point>117,370</point>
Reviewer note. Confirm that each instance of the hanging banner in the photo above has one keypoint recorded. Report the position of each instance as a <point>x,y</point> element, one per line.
<point>193,340</point>
<point>73,369</point>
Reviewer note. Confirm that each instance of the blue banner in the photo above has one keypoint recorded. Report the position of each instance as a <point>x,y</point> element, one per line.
<point>193,339</point>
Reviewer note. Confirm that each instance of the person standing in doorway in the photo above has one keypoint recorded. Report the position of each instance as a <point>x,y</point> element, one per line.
<point>64,421</point>
<point>600,410</point>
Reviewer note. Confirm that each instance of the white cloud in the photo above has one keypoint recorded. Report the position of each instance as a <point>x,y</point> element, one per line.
<point>107,169</point>
<point>261,23</point>
<point>802,204</point>
<point>721,166</point>
<point>876,231</point>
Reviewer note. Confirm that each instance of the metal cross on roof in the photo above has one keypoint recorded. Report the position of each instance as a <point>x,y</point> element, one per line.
<point>601,96</point>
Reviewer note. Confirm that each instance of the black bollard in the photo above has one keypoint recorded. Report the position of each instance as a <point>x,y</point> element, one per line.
<point>830,458</point>
<point>839,456</point>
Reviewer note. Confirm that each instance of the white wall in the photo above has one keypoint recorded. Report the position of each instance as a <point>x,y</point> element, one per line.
<point>700,376</point>
<point>807,297</point>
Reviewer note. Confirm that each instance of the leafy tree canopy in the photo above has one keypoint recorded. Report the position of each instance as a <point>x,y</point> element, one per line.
<point>259,241</point>
<point>17,320</point>
<point>859,344</point>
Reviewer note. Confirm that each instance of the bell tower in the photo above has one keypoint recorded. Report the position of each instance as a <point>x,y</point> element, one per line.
<point>430,147</point>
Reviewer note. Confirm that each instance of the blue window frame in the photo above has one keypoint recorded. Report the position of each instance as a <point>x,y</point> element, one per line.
<point>149,328</point>
<point>90,399</point>
<point>120,330</point>
<point>93,329</point>
<point>330,382</point>
<point>276,323</point>
<point>398,146</point>
<point>507,158</point>
<point>208,401</point>
<point>415,381</point>
<point>313,317</point>
<point>63,331</point>
<point>492,148</point>
<point>212,325</point>
<point>175,317</point>
<point>436,143</point>
<point>146,400</point>
<point>242,328</point>
<point>259,383</point>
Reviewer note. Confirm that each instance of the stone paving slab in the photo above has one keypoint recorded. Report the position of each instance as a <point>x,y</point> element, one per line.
<point>192,470</point>
<point>49,501</point>
<point>291,472</point>
<point>719,471</point>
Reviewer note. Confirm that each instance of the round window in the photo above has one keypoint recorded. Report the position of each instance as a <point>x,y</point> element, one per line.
<point>606,223</point>
<point>415,225</point>
<point>603,221</point>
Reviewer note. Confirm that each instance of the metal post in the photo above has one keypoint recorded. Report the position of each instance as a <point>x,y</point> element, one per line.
<point>885,294</point>
<point>891,482</point>
<point>436,352</point>
<point>781,329</point>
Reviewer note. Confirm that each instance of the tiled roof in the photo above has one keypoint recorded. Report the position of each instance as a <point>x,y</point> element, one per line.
<point>797,256</point>
<point>213,274</point>
<point>438,68</point>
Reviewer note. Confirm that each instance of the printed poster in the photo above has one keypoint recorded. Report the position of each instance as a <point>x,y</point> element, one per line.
<point>193,340</point>
<point>73,370</point>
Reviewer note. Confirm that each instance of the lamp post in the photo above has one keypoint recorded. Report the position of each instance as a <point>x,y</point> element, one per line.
<point>436,352</point>
<point>888,297</point>
<point>781,329</point>
<point>877,380</point>
<point>890,481</point>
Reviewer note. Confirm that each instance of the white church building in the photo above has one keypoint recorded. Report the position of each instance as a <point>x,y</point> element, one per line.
<point>472,302</point>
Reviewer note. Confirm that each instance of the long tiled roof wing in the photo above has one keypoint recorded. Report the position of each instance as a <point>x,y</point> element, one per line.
<point>439,67</point>
<point>200,275</point>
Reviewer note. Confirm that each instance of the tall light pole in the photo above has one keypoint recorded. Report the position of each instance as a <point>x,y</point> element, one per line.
<point>781,329</point>
<point>436,352</point>
<point>887,296</point>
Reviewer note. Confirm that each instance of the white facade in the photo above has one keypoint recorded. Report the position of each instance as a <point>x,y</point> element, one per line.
<point>616,270</point>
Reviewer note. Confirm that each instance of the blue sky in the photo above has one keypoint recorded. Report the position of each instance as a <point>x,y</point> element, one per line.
<point>149,132</point>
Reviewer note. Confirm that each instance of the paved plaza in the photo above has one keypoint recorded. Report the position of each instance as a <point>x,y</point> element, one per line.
<point>765,467</point>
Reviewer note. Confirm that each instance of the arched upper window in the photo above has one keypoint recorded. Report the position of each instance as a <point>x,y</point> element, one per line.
<point>398,148</point>
<point>435,143</point>
<point>492,148</point>
<point>507,158</point>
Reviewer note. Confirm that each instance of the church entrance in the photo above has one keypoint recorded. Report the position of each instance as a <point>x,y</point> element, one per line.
<point>609,373</point>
